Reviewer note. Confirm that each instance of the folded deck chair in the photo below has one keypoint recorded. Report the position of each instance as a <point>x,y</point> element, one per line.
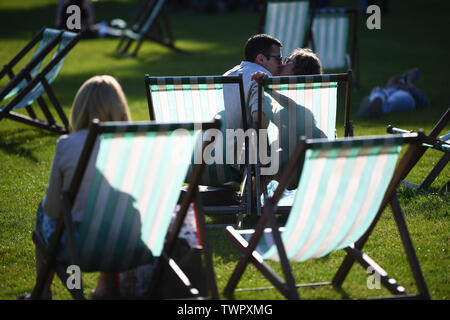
<point>130,177</point>
<point>35,78</point>
<point>288,21</point>
<point>335,40</point>
<point>196,98</point>
<point>441,143</point>
<point>151,23</point>
<point>344,187</point>
<point>300,106</point>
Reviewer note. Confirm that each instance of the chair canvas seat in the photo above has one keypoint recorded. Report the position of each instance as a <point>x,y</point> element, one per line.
<point>301,106</point>
<point>47,37</point>
<point>127,186</point>
<point>331,31</point>
<point>121,241</point>
<point>344,187</point>
<point>307,110</point>
<point>39,89</point>
<point>336,200</point>
<point>334,39</point>
<point>35,79</point>
<point>200,98</point>
<point>184,99</point>
<point>288,21</point>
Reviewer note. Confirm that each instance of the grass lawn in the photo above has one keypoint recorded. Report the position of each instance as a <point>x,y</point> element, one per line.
<point>411,35</point>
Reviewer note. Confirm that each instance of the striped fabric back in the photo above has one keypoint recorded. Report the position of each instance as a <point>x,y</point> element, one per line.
<point>47,36</point>
<point>287,21</point>
<point>299,106</point>
<point>67,37</point>
<point>194,99</point>
<point>38,90</point>
<point>340,191</point>
<point>136,182</point>
<point>330,32</point>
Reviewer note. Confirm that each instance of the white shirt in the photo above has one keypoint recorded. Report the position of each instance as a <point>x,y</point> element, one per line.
<point>232,96</point>
<point>65,161</point>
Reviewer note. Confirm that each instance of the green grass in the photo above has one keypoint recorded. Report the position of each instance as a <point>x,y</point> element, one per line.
<point>410,36</point>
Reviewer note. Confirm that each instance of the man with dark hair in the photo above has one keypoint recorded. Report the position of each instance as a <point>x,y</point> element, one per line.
<point>262,53</point>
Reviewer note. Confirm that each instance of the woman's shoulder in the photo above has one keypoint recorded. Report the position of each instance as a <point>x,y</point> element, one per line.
<point>71,140</point>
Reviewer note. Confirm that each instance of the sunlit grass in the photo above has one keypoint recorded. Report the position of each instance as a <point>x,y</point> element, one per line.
<point>214,44</point>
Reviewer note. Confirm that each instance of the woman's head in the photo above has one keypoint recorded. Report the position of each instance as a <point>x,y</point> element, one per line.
<point>99,97</point>
<point>303,61</point>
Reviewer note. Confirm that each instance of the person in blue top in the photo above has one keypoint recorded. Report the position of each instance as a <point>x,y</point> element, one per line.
<point>399,94</point>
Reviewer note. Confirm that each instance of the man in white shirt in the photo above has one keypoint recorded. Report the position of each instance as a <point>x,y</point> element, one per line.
<point>262,53</point>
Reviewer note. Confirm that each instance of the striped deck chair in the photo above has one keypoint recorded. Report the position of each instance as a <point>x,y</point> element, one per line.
<point>335,40</point>
<point>175,99</point>
<point>441,143</point>
<point>35,78</point>
<point>288,21</point>
<point>300,106</point>
<point>132,174</point>
<point>151,23</point>
<point>344,187</point>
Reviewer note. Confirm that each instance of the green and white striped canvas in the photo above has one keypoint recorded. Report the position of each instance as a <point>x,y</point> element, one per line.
<point>287,21</point>
<point>195,99</point>
<point>136,182</point>
<point>330,33</point>
<point>341,188</point>
<point>47,36</point>
<point>39,89</point>
<point>299,106</point>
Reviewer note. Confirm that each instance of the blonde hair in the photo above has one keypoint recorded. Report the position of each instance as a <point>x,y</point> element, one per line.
<point>99,97</point>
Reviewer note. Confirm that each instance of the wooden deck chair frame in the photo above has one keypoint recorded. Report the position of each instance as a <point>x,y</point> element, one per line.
<point>157,30</point>
<point>343,80</point>
<point>434,143</point>
<point>352,59</point>
<point>35,80</point>
<point>66,225</point>
<point>288,287</point>
<point>310,16</point>
<point>245,187</point>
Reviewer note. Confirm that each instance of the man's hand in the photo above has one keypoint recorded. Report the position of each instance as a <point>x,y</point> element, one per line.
<point>258,76</point>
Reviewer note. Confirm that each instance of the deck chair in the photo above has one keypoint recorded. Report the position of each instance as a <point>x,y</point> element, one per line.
<point>297,106</point>
<point>196,98</point>
<point>132,174</point>
<point>35,78</point>
<point>344,187</point>
<point>288,21</point>
<point>334,39</point>
<point>151,23</point>
<point>441,143</point>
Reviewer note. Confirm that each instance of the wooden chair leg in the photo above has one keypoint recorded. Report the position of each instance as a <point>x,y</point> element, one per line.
<point>409,249</point>
<point>435,171</point>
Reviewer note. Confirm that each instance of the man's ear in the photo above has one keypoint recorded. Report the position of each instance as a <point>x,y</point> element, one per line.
<point>260,58</point>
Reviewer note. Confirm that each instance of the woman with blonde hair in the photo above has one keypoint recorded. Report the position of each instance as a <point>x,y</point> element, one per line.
<point>99,97</point>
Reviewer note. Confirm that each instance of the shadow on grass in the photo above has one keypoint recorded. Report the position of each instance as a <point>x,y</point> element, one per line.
<point>22,23</point>
<point>22,142</point>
